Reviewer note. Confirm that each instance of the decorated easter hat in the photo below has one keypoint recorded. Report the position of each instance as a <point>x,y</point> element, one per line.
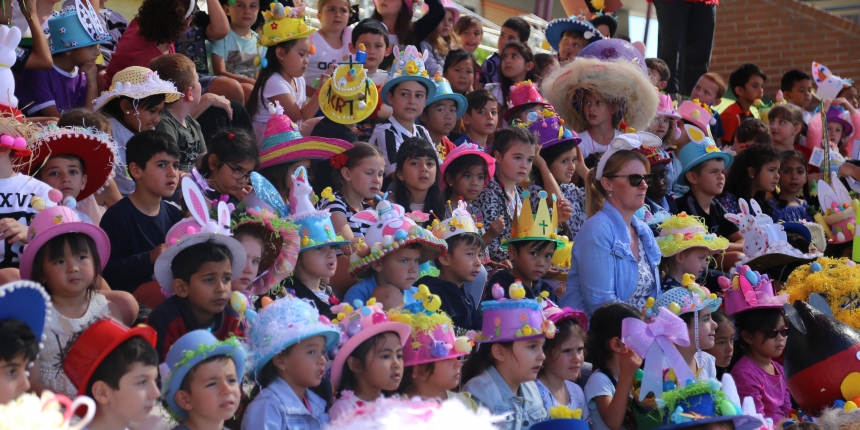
<point>432,338</point>
<point>17,135</point>
<point>561,259</point>
<point>315,228</point>
<point>93,346</point>
<point>200,228</point>
<point>547,129</point>
<point>282,324</point>
<point>562,418</point>
<point>556,28</point>
<point>667,107</point>
<point>837,279</point>
<point>56,221</point>
<point>282,142</point>
<point>18,144</point>
<point>280,247</point>
<point>829,85</point>
<point>137,83</point>
<point>522,94</point>
<point>540,225</point>
<point>701,148</point>
<point>461,221</point>
<point>653,155</point>
<point>266,196</point>
<point>682,232</point>
<point>391,228</point>
<point>188,351</point>
<point>701,403</point>
<point>552,312</point>
<point>749,290</point>
<point>398,413</point>
<point>839,115</point>
<point>284,23</point>
<point>358,324</point>
<point>508,320</point>
<point>691,297</point>
<point>350,96</point>
<point>28,302</point>
<point>95,148</point>
<point>837,210</point>
<point>697,113</point>
<point>468,148</point>
<point>408,66</point>
<point>76,27</point>
<point>626,142</point>
<point>47,411</point>
<point>444,92</point>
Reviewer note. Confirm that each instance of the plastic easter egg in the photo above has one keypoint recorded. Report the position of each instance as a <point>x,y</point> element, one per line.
<point>815,267</point>
<point>752,277</point>
<point>400,234</point>
<point>675,308</point>
<point>668,386</point>
<point>519,333</point>
<point>638,376</point>
<point>324,319</point>
<point>366,311</point>
<point>414,230</point>
<point>839,404</point>
<point>250,315</point>
<point>498,292</point>
<point>357,303</point>
<point>348,308</point>
<point>379,317</point>
<point>660,403</point>
<point>353,328</point>
<point>387,240</point>
<point>341,316</point>
<point>679,236</point>
<point>238,302</point>
<point>650,302</point>
<point>850,406</point>
<point>727,409</point>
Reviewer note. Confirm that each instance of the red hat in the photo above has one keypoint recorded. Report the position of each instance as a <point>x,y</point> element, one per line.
<point>94,344</point>
<point>653,155</point>
<point>523,93</point>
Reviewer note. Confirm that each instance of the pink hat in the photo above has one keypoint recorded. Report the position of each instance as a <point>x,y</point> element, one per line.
<point>447,4</point>
<point>282,142</point>
<point>697,113</point>
<point>53,222</point>
<point>750,290</point>
<point>468,149</point>
<point>523,93</point>
<point>357,325</point>
<point>667,107</point>
<point>552,312</point>
<point>432,333</point>
<point>509,320</point>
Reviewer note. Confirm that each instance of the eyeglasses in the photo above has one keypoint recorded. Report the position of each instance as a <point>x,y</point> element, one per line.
<point>238,173</point>
<point>636,179</point>
<point>777,332</point>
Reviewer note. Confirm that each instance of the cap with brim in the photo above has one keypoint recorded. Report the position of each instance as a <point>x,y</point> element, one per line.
<point>56,221</point>
<point>607,21</point>
<point>701,149</point>
<point>444,92</point>
<point>70,28</point>
<point>556,28</point>
<point>28,302</point>
<point>409,66</point>
<point>137,83</point>
<point>163,264</point>
<point>469,149</point>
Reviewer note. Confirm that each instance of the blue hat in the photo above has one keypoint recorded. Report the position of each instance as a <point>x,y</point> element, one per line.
<point>701,148</point>
<point>282,324</point>
<point>689,299</point>
<point>315,227</point>
<point>561,424</point>
<point>557,27</point>
<point>188,351</point>
<point>75,27</point>
<point>26,301</point>
<point>741,422</point>
<point>444,92</point>
<point>408,66</point>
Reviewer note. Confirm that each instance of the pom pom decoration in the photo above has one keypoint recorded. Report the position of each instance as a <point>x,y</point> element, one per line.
<point>55,196</point>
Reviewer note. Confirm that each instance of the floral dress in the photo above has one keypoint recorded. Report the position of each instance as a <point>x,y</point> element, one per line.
<point>491,203</point>
<point>646,283</point>
<point>573,194</point>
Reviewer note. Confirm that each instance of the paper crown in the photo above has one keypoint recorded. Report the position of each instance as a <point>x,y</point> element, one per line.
<point>682,232</point>
<point>518,318</point>
<point>530,226</point>
<point>547,129</point>
<point>284,23</point>
<point>282,142</point>
<point>280,247</point>
<point>408,66</point>
<point>137,83</point>
<point>829,85</point>
<point>461,221</point>
<point>444,92</point>
<point>349,96</point>
<point>697,113</point>
<point>690,297</point>
<point>76,27</point>
<point>667,107</point>
<point>315,227</point>
<point>432,338</point>
<point>701,148</point>
<point>522,94</point>
<point>47,411</point>
<point>749,290</point>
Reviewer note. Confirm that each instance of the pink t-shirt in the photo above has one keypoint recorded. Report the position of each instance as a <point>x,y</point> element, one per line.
<point>132,50</point>
<point>770,392</point>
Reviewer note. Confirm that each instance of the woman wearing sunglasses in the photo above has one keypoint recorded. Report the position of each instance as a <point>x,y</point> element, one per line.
<point>615,256</point>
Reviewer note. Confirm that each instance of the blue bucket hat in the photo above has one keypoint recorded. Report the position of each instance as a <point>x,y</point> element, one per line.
<point>701,148</point>
<point>189,351</point>
<point>408,66</point>
<point>688,300</point>
<point>25,301</point>
<point>444,92</point>
<point>76,27</point>
<point>556,28</point>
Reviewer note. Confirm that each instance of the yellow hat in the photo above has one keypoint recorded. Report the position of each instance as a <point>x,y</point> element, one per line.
<point>540,225</point>
<point>284,23</point>
<point>349,96</point>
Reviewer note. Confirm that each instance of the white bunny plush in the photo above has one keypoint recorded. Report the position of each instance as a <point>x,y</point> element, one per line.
<point>775,232</point>
<point>756,239</point>
<point>9,39</point>
<point>838,215</point>
<point>196,203</point>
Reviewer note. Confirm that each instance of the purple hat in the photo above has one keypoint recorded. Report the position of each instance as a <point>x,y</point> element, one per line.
<point>839,115</point>
<point>549,131</point>
<point>614,49</point>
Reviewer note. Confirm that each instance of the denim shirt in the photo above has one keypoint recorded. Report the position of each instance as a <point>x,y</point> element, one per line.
<point>278,408</point>
<point>602,267</point>
<point>489,390</point>
<point>364,288</point>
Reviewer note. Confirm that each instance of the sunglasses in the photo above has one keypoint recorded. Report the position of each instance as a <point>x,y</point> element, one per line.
<point>777,332</point>
<point>636,179</point>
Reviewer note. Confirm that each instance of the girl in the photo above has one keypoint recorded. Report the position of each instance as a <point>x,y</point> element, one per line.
<point>271,244</point>
<point>370,361</point>
<point>544,65</point>
<point>565,355</point>
<point>459,70</point>
<point>518,63</point>
<point>466,171</point>
<point>762,336</point>
<point>331,42</point>
<point>787,206</point>
<point>233,56</point>
<point>689,255</point>
<point>226,168</point>
<point>397,17</point>
<point>287,357</point>
<point>615,365</point>
<point>471,32</point>
<point>842,120</point>
<point>664,127</point>
<point>786,122</point>
<point>417,177</point>
<point>442,40</point>
<point>723,343</point>
<point>754,174</point>
<point>701,328</point>
<point>603,119</point>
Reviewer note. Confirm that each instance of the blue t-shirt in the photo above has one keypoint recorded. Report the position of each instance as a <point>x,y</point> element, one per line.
<point>238,53</point>
<point>364,288</point>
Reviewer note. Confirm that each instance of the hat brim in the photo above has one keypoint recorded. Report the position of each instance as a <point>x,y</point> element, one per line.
<point>513,339</point>
<point>716,245</point>
<point>146,332</point>
<point>741,422</point>
<point>94,232</point>
<point>510,111</point>
<point>669,114</point>
<point>402,330</point>
<point>301,35</point>
<point>25,301</point>
<point>105,98</point>
<point>431,87</point>
<point>682,177</point>
<point>847,127</point>
<point>328,109</point>
<point>164,273</point>
<point>576,141</point>
<point>96,153</point>
<point>767,261</point>
<point>236,354</point>
<point>55,51</point>
<point>578,317</point>
<point>305,148</point>
<point>555,30</point>
<point>459,100</point>
<point>491,164</point>
<point>331,335</point>
<point>430,250</point>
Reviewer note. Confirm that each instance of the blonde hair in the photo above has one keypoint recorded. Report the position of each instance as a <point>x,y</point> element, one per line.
<point>443,45</point>
<point>595,195</point>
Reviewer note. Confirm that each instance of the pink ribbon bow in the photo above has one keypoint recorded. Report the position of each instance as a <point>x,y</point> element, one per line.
<point>655,341</point>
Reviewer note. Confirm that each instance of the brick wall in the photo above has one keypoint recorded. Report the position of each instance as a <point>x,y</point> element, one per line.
<point>780,35</point>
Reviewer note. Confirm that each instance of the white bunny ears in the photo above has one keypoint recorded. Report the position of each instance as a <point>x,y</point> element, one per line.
<point>829,85</point>
<point>628,141</point>
<point>196,203</point>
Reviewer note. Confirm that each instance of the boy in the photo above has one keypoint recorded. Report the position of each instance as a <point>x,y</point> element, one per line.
<point>657,197</point>
<point>442,113</point>
<point>796,87</point>
<point>374,36</point>
<point>480,119</point>
<point>699,115</point>
<point>751,131</point>
<point>137,224</point>
<point>658,72</point>
<point>461,264</point>
<point>514,29</point>
<point>709,90</point>
<point>572,42</point>
<point>567,37</point>
<point>747,84</point>
<point>72,82</point>
<point>233,56</point>
<point>117,367</point>
<point>205,384</point>
<point>23,309</point>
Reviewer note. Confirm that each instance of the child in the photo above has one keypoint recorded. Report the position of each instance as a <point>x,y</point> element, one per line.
<point>688,255</point>
<point>67,256</point>
<point>466,171</point>
<point>518,63</point>
<point>786,124</point>
<point>525,99</point>
<point>665,127</point>
<point>787,206</point>
<point>271,244</point>
<point>331,42</point>
<point>369,361</point>
<point>374,36</point>
<point>796,87</point>
<point>195,271</point>
<point>658,72</point>
<point>402,32</point>
<point>658,198</point>
<point>709,90</point>
<point>132,109</point>
<point>138,223</point>
<point>747,84</point>
<point>234,55</point>
<point>544,65</point>
<point>416,180</point>
<point>750,131</point>
<point>226,167</point>
<point>602,118</point>
<point>565,356</point>
<point>288,346</point>
<point>723,343</point>
<point>514,29</point>
<point>459,266</point>
<point>753,175</point>
<point>842,120</point>
<point>615,366</point>
<point>406,92</point>
<point>481,119</point>
<point>402,246</point>
<point>204,386</point>
<point>117,367</point>
<point>24,308</point>
<point>567,36</point>
<point>442,113</point>
<point>72,82</point>
<point>500,375</point>
<point>442,39</point>
<point>471,32</point>
<point>459,70</point>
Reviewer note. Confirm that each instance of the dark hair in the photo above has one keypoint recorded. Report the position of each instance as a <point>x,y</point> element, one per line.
<point>738,178</point>
<point>506,82</point>
<point>70,157</point>
<point>83,118</point>
<point>114,110</point>
<point>229,146</point>
<point>659,66</point>
<point>277,174</point>
<point>120,360</point>
<point>763,320</point>
<point>55,248</point>
<point>407,381</point>
<point>402,25</point>
<point>752,129</point>
<point>465,239</point>
<point>542,61</point>
<point>273,67</point>
<point>519,25</point>
<point>481,359</point>
<point>147,144</point>
<point>476,100</point>
<point>372,26</point>
<point>417,147</point>
<point>188,261</point>
<point>566,329</point>
<point>785,157</point>
<point>16,339</point>
<point>720,317</point>
<point>536,245</point>
<point>466,22</point>
<point>460,164</point>
<point>185,385</point>
<point>742,75</point>
<point>348,380</point>
<point>790,78</point>
<point>550,154</point>
<point>162,21</point>
<point>508,136</point>
<point>456,56</point>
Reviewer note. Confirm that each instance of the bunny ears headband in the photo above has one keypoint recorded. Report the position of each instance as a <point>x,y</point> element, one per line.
<point>629,142</point>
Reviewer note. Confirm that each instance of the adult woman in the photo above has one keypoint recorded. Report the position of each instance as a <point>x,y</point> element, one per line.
<point>615,256</point>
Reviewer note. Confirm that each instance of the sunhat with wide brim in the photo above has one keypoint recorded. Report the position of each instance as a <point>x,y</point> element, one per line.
<point>444,92</point>
<point>28,302</point>
<point>408,66</point>
<point>56,221</point>
<point>556,28</point>
<point>137,83</point>
<point>701,149</point>
<point>682,232</point>
<point>282,142</point>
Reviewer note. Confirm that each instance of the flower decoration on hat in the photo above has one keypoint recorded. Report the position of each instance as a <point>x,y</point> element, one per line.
<point>283,23</point>
<point>432,338</point>
<point>748,290</point>
<point>628,141</point>
<point>409,66</point>
<point>315,227</point>
<point>682,232</point>
<point>540,225</point>
<point>280,247</point>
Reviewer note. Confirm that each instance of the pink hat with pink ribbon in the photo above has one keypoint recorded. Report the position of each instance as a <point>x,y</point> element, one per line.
<point>523,93</point>
<point>697,113</point>
<point>433,337</point>
<point>748,290</point>
<point>667,107</point>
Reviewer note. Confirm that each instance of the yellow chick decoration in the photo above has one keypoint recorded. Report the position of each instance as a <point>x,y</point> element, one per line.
<point>462,345</point>
<point>432,302</point>
<point>37,203</point>
<point>688,279</point>
<point>327,194</point>
<point>423,292</point>
<point>563,412</point>
<point>305,241</point>
<point>516,290</point>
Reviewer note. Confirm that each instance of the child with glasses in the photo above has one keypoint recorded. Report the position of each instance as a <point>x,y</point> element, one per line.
<point>227,166</point>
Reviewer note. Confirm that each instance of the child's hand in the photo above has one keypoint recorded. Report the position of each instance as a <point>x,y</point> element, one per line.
<point>827,104</point>
<point>325,76</point>
<point>153,255</point>
<point>90,70</point>
<point>629,363</point>
<point>565,210</point>
<point>500,265</point>
<point>215,100</point>
<point>539,162</point>
<point>12,231</point>
<point>562,288</point>
<point>496,227</point>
